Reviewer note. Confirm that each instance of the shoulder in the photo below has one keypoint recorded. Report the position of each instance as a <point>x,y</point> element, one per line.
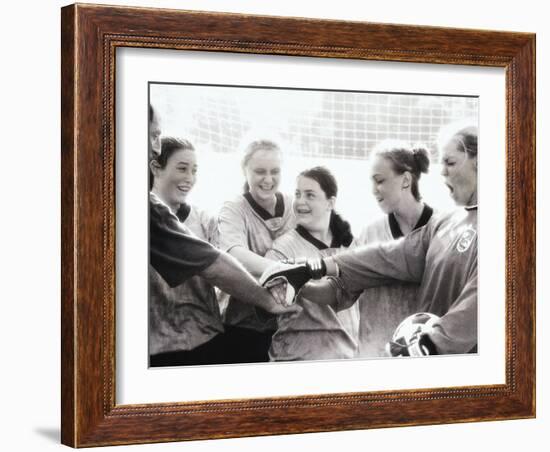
<point>238,202</point>
<point>448,218</point>
<point>288,244</point>
<point>288,238</point>
<point>374,231</point>
<point>234,209</point>
<point>160,212</point>
<point>202,223</point>
<point>203,215</point>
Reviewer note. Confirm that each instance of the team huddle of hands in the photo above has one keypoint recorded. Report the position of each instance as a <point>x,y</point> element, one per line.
<point>285,280</point>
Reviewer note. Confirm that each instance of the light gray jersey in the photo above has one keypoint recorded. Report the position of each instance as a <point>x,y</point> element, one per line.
<point>381,308</point>
<point>442,257</point>
<point>318,331</point>
<point>243,223</point>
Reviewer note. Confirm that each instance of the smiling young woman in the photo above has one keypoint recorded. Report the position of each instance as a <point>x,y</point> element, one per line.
<point>441,257</point>
<point>185,321</point>
<point>247,227</point>
<point>317,332</point>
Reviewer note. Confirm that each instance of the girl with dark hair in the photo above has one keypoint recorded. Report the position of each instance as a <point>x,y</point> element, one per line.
<point>316,332</point>
<point>247,226</point>
<point>395,173</point>
<point>441,257</point>
<point>185,321</point>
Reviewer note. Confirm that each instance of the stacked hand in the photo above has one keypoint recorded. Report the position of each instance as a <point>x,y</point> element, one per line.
<point>292,277</point>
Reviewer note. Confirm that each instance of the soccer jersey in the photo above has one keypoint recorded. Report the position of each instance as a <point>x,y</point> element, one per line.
<point>318,331</point>
<point>442,257</point>
<point>174,252</point>
<point>186,316</point>
<point>383,308</point>
<point>242,222</point>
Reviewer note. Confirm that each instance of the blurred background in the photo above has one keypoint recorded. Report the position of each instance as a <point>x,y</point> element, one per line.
<point>332,128</point>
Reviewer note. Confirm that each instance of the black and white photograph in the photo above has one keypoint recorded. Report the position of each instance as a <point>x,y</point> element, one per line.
<point>291,224</point>
<point>166,114</point>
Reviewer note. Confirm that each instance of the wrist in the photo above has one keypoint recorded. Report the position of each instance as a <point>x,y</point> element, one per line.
<point>316,268</point>
<point>332,268</point>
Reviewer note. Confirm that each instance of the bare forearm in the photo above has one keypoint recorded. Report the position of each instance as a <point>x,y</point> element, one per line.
<point>231,277</point>
<point>252,262</point>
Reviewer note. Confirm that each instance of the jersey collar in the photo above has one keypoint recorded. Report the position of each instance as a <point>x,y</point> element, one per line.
<point>425,216</point>
<point>306,235</point>
<point>264,214</point>
<point>183,212</point>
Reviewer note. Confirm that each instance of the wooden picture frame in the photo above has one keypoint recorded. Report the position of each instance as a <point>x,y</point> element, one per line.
<point>90,36</point>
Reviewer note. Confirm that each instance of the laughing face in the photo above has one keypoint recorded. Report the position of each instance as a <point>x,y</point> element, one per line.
<point>174,182</point>
<point>311,205</point>
<point>263,174</point>
<point>387,185</point>
<point>459,170</point>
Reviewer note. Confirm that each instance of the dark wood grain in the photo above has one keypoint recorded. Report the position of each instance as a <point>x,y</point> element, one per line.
<point>68,310</point>
<point>90,36</point>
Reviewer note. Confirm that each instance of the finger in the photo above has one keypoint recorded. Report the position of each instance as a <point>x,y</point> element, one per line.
<point>292,309</point>
<point>275,282</point>
<point>278,292</point>
<point>290,295</point>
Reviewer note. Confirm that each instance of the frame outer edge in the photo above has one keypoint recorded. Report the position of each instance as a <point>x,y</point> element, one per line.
<point>526,200</point>
<point>68,240</point>
<point>86,419</point>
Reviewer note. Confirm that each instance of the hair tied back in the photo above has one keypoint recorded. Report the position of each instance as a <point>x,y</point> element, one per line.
<point>420,156</point>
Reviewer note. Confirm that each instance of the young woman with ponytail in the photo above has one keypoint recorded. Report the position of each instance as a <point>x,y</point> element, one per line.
<point>395,174</point>
<point>316,332</point>
<point>247,226</point>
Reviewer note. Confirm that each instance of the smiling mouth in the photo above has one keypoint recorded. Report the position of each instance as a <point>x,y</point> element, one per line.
<point>451,189</point>
<point>184,189</point>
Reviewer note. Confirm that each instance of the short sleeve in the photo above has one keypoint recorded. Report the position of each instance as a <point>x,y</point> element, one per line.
<point>174,252</point>
<point>231,227</point>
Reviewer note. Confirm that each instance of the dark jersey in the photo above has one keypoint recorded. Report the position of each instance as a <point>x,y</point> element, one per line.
<point>174,252</point>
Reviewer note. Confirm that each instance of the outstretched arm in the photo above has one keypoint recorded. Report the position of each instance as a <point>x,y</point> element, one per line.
<point>380,264</point>
<point>231,277</point>
<point>320,292</point>
<point>254,263</point>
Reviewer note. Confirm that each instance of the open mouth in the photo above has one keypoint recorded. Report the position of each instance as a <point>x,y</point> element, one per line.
<point>184,189</point>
